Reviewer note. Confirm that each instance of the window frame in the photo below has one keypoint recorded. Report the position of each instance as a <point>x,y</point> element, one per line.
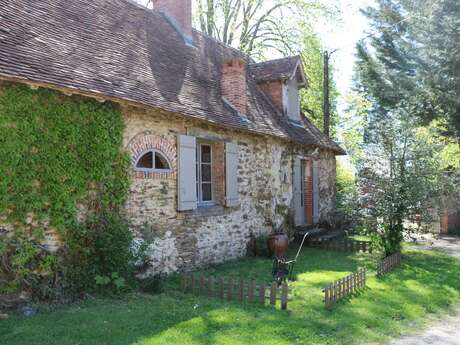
<point>199,182</point>
<point>154,151</point>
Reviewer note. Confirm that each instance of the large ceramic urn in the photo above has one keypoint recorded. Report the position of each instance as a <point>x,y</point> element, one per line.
<point>278,244</point>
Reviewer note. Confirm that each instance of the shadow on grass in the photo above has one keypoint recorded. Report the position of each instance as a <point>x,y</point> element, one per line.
<point>426,282</point>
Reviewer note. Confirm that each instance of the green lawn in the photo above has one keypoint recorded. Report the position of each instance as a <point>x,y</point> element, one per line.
<point>427,282</point>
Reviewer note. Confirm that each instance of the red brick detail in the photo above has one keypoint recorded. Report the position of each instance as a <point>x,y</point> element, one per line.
<point>308,183</point>
<point>234,83</point>
<point>218,172</point>
<point>179,10</point>
<point>445,221</point>
<point>145,141</point>
<point>274,90</point>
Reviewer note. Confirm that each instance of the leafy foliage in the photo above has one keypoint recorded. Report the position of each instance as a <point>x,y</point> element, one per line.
<point>59,156</point>
<point>347,196</point>
<point>406,75</point>
<point>413,60</point>
<point>400,180</point>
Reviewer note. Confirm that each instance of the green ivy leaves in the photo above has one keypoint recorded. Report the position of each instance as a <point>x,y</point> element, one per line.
<point>56,152</point>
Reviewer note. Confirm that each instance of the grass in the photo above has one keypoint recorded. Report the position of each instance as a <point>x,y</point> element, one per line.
<point>427,282</point>
<point>360,238</point>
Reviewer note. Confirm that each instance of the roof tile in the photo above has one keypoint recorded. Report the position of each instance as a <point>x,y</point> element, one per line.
<point>119,49</point>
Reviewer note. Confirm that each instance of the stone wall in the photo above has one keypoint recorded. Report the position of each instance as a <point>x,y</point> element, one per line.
<point>191,239</point>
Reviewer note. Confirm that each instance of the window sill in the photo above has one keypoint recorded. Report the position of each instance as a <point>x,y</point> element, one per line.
<point>205,211</point>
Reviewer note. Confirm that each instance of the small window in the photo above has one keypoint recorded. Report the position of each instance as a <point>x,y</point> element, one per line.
<point>153,160</point>
<point>204,173</point>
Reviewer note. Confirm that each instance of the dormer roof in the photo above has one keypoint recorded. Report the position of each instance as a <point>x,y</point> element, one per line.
<point>280,69</point>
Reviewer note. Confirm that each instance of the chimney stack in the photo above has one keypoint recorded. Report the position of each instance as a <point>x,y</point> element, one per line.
<point>234,83</point>
<point>179,12</point>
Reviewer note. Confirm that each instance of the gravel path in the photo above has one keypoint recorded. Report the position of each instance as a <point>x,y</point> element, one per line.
<point>445,331</point>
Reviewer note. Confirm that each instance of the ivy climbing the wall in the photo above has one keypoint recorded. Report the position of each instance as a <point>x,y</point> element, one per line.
<point>62,171</point>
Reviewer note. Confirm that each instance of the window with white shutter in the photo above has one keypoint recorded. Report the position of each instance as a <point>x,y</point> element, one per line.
<point>231,175</point>
<point>186,173</point>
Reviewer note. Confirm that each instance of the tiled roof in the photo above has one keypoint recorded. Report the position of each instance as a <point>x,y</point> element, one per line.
<point>279,69</point>
<point>117,49</point>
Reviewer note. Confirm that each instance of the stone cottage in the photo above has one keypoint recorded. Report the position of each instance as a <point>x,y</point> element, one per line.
<point>220,149</point>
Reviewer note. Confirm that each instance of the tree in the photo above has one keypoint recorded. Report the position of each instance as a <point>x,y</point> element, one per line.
<point>400,180</point>
<point>413,60</point>
<point>254,26</point>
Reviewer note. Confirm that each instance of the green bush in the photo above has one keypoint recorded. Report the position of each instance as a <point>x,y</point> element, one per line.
<point>347,197</point>
<point>99,256</point>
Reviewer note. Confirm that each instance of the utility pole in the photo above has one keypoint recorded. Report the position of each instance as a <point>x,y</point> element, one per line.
<point>326,106</point>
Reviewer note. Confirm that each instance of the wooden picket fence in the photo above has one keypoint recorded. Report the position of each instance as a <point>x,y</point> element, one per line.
<point>387,264</point>
<point>239,290</point>
<point>344,287</point>
<point>342,244</point>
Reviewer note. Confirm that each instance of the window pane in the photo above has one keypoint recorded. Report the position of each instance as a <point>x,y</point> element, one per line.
<point>207,195</point>
<point>206,172</point>
<point>146,161</point>
<point>206,154</point>
<point>161,162</point>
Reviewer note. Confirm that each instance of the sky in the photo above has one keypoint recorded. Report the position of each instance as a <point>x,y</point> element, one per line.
<point>344,37</point>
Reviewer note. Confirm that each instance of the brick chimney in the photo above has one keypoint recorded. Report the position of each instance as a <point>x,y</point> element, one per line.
<point>179,12</point>
<point>234,83</point>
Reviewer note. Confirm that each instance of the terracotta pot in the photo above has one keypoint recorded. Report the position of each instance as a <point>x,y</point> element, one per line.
<point>277,244</point>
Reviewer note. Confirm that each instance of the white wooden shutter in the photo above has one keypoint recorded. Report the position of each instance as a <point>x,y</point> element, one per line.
<point>315,193</point>
<point>186,173</point>
<point>231,174</point>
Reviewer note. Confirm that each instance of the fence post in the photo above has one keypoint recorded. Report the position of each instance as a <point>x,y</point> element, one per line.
<point>334,292</point>
<point>284,296</point>
<point>273,294</point>
<point>202,285</point>
<point>211,286</point>
<point>193,283</point>
<point>262,293</point>
<point>230,289</point>
<point>241,291</point>
<point>221,288</point>
<point>251,288</point>
<point>184,283</point>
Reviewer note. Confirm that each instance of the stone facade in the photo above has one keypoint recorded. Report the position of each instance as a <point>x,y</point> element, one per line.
<point>191,239</point>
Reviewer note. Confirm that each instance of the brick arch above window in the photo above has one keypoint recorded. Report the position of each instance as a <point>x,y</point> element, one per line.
<point>149,142</point>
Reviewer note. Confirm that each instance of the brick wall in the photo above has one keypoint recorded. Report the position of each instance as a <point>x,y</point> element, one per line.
<point>218,172</point>
<point>234,83</point>
<point>274,89</point>
<point>308,192</point>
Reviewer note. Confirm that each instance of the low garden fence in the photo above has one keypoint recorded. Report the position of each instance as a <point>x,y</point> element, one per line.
<point>239,290</point>
<point>343,244</point>
<point>388,263</point>
<point>344,287</point>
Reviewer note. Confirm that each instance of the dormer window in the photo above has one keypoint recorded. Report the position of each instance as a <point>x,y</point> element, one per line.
<point>292,100</point>
<point>281,80</point>
<point>152,160</point>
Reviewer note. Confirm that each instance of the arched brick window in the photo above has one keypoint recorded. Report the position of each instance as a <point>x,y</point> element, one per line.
<point>152,156</point>
<point>152,160</point>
